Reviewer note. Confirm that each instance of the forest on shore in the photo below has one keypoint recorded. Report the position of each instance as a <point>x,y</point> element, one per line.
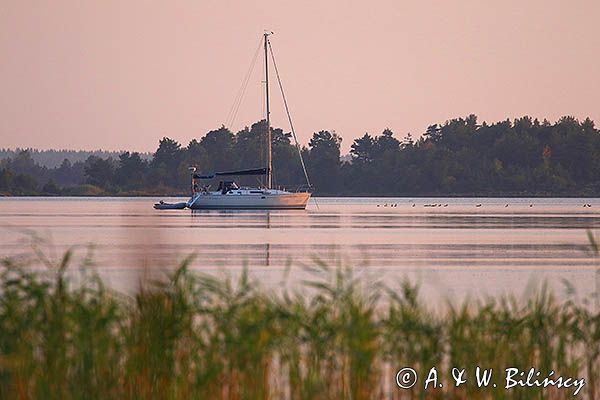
<point>522,157</point>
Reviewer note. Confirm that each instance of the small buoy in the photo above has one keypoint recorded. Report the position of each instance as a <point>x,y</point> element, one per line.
<point>531,205</point>
<point>506,206</point>
<point>377,205</point>
<point>414,205</point>
<point>478,205</point>
<point>445,205</point>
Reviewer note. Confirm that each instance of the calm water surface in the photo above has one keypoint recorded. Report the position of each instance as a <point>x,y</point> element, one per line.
<point>457,243</point>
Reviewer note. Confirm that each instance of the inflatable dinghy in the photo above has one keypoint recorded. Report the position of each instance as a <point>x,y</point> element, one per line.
<point>161,205</point>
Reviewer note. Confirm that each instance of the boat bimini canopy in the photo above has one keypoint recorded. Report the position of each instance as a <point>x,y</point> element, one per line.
<point>256,171</point>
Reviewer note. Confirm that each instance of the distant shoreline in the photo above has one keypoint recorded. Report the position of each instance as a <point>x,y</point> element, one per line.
<point>524,157</point>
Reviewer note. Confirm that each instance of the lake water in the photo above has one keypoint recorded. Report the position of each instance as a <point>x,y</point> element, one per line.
<point>453,246</point>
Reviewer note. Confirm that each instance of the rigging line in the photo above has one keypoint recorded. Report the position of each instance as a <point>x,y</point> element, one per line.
<point>288,115</point>
<point>241,91</point>
<point>245,86</point>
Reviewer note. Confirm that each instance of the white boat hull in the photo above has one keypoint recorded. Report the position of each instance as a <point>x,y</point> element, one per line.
<point>273,200</point>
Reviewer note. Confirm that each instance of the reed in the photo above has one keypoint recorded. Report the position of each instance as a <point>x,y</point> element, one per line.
<point>193,336</point>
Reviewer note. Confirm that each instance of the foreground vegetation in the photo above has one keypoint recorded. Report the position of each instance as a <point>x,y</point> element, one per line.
<point>523,157</point>
<point>197,337</point>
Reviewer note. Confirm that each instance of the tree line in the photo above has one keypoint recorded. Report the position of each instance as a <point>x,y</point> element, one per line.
<point>460,157</point>
<point>52,158</point>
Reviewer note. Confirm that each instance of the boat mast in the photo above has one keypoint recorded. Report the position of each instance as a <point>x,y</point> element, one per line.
<point>269,155</point>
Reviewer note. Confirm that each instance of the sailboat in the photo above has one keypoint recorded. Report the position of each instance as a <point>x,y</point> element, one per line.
<point>231,196</point>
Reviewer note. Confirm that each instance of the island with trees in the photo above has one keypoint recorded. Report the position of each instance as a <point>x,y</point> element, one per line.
<point>461,157</point>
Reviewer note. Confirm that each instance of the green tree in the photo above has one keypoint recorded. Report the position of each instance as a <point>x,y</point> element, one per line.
<point>196,155</point>
<point>324,161</point>
<point>51,187</point>
<point>99,172</point>
<point>287,170</point>
<point>363,149</point>
<point>25,184</point>
<point>23,163</point>
<point>219,146</point>
<point>168,155</point>
<point>6,180</point>
<point>250,147</point>
<point>165,162</point>
<point>131,171</point>
<point>386,143</point>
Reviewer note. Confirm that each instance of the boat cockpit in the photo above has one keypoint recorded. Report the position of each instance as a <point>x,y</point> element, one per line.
<point>226,186</point>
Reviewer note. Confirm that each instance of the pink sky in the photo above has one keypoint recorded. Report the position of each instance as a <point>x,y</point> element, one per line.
<point>122,74</point>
